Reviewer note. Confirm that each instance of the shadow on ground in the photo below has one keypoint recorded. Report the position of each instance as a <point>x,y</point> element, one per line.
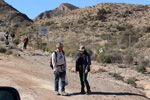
<point>111,93</point>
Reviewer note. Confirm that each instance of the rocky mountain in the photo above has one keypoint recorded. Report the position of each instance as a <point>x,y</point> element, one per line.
<point>9,16</point>
<point>62,9</point>
<point>115,19</point>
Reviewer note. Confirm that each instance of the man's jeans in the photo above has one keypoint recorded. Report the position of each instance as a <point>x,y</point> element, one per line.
<point>62,76</point>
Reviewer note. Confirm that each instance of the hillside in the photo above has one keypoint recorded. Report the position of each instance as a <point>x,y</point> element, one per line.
<point>34,80</point>
<point>102,19</point>
<point>9,16</point>
<point>61,10</point>
<point>117,37</point>
<point>120,23</point>
<point>117,28</point>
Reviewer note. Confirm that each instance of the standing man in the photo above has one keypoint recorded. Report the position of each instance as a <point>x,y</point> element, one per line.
<point>83,63</point>
<point>59,64</point>
<point>25,42</point>
<point>12,36</point>
<point>6,35</point>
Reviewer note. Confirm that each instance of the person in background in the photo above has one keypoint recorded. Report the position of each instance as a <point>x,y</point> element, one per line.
<point>59,65</point>
<point>25,42</point>
<point>12,36</point>
<point>6,35</point>
<point>83,63</point>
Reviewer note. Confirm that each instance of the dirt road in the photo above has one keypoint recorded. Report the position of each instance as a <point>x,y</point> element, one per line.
<point>31,75</point>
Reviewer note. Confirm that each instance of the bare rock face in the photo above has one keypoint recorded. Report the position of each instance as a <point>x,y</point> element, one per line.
<point>62,9</point>
<point>9,16</point>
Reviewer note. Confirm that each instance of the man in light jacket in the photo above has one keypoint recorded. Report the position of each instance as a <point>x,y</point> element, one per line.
<point>59,64</point>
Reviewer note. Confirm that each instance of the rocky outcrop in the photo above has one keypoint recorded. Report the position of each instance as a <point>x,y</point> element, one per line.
<point>9,16</point>
<point>62,9</point>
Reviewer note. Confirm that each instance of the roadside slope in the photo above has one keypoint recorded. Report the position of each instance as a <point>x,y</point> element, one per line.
<point>32,76</point>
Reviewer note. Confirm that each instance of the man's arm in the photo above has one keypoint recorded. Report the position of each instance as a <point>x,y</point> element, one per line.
<point>54,61</point>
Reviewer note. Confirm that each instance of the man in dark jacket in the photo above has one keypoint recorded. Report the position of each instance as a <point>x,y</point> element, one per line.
<point>83,63</point>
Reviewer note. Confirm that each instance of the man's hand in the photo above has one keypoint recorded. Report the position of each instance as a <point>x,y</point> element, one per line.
<point>57,72</point>
<point>75,71</point>
<point>86,71</point>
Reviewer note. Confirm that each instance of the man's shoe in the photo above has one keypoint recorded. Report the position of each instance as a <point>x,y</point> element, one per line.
<point>88,92</point>
<point>57,93</point>
<point>82,92</point>
<point>63,93</point>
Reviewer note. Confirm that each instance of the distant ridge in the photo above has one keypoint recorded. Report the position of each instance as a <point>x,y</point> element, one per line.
<point>11,16</point>
<point>62,9</point>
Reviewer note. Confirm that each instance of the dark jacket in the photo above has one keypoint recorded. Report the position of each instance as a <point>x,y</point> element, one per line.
<point>86,62</point>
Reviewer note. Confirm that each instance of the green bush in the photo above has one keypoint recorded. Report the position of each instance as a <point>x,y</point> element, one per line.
<point>141,68</point>
<point>71,50</point>
<point>103,58</point>
<point>8,52</point>
<point>104,36</point>
<point>7,42</point>
<point>2,50</point>
<point>117,76</point>
<point>16,42</point>
<point>131,80</point>
<point>2,39</point>
<point>121,28</point>
<point>108,58</point>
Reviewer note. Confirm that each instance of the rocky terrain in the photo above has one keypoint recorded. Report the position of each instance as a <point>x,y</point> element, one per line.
<point>31,75</point>
<point>101,20</point>
<point>116,35</point>
<point>10,16</point>
<point>61,10</point>
<point>29,72</point>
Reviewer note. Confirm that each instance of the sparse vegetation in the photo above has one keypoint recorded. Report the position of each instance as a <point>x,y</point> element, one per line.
<point>116,76</point>
<point>6,42</point>
<point>141,68</point>
<point>131,80</point>
<point>2,49</point>
<point>16,41</point>
<point>8,52</point>
<point>2,39</point>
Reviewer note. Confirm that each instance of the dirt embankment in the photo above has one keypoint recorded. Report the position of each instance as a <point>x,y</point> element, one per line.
<point>32,77</point>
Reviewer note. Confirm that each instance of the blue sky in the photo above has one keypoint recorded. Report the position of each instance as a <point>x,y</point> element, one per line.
<point>32,8</point>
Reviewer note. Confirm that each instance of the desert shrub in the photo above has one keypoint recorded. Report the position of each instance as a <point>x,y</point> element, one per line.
<point>109,57</point>
<point>11,47</point>
<point>147,29</point>
<point>89,51</point>
<point>104,36</point>
<point>128,59</point>
<point>116,76</point>
<point>71,50</point>
<point>95,24</point>
<point>101,15</point>
<point>80,21</point>
<point>8,52</point>
<point>145,62</point>
<point>7,42</point>
<point>16,41</point>
<point>120,28</point>
<point>2,39</point>
<point>2,50</point>
<point>41,45</point>
<point>65,25</point>
<point>131,80</point>
<point>104,58</point>
<point>141,68</point>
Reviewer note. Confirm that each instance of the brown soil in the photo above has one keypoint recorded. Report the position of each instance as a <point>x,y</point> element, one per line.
<point>33,78</point>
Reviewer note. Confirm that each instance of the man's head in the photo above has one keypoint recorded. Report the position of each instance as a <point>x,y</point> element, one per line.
<point>59,46</point>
